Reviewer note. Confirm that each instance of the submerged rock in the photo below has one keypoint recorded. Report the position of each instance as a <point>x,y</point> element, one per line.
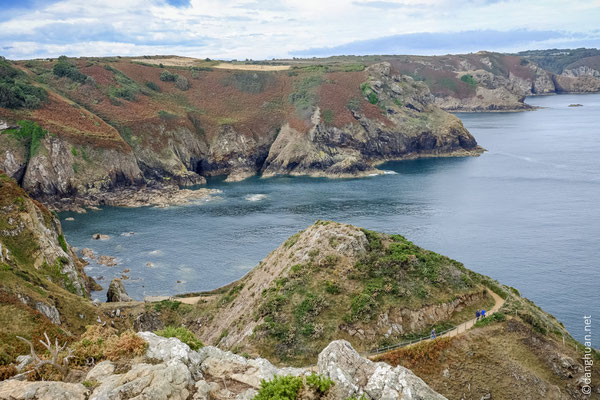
<point>109,261</point>
<point>100,236</point>
<point>116,292</point>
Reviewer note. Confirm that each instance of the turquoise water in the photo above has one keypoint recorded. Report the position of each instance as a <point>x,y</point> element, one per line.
<point>526,213</point>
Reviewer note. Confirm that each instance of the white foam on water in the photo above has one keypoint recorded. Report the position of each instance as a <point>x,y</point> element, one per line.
<point>255,197</point>
<point>390,173</point>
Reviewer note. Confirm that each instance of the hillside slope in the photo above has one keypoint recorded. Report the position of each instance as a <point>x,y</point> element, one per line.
<point>42,283</point>
<point>100,124</point>
<point>488,81</point>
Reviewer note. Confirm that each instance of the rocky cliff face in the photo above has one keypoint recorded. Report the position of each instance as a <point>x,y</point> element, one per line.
<point>413,127</point>
<point>91,139</point>
<point>487,81</point>
<point>170,370</point>
<point>42,283</point>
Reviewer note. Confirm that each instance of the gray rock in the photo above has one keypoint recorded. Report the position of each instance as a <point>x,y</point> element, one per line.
<point>23,361</point>
<point>101,371</point>
<point>204,390</point>
<point>22,390</point>
<point>171,381</point>
<point>148,321</point>
<point>116,292</point>
<point>251,372</point>
<point>170,350</point>
<point>49,311</point>
<point>355,376</point>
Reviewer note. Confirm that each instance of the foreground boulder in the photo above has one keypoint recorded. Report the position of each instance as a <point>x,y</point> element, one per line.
<point>116,292</point>
<point>170,370</point>
<point>13,389</point>
<point>356,376</point>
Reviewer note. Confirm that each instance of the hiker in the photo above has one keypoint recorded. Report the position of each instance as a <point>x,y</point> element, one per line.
<point>433,333</point>
<point>483,313</point>
<point>477,314</point>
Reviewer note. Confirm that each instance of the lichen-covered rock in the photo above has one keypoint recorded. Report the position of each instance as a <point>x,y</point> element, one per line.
<point>116,292</point>
<point>170,350</point>
<point>21,390</point>
<point>250,372</point>
<point>354,376</point>
<point>171,381</point>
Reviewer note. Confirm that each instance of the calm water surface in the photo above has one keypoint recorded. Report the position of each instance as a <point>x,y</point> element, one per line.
<point>526,213</point>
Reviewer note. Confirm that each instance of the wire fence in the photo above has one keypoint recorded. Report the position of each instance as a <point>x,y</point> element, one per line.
<point>424,338</point>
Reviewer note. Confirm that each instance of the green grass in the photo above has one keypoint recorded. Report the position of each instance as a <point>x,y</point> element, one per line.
<point>304,97</point>
<point>63,243</point>
<point>328,116</point>
<point>30,134</point>
<point>183,334</point>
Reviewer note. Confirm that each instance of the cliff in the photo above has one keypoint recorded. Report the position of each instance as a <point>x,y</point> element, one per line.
<point>42,283</point>
<point>102,125</point>
<point>489,81</point>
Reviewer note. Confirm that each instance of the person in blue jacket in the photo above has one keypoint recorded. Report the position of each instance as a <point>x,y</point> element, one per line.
<point>477,314</point>
<point>483,313</point>
<point>433,333</point>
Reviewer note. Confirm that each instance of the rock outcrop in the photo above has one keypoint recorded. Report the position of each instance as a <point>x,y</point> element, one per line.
<point>116,292</point>
<point>413,127</point>
<point>170,370</point>
<point>357,376</point>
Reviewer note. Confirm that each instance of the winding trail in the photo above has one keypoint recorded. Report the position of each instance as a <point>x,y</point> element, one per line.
<point>458,330</point>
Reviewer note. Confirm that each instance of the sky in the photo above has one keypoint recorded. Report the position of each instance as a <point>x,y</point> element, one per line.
<point>265,29</point>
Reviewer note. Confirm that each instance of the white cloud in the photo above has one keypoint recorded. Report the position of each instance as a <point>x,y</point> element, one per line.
<point>264,29</point>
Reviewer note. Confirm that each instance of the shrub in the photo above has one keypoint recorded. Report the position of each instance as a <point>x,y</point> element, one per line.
<point>319,383</point>
<point>182,83</point>
<point>98,343</point>
<point>279,388</point>
<point>166,76</point>
<point>63,68</point>
<point>468,78</point>
<point>128,93</point>
<point>15,89</point>
<point>7,371</point>
<point>495,317</point>
<point>331,287</point>
<point>328,116</point>
<point>167,305</point>
<point>153,86</point>
<point>166,116</point>
<point>127,345</point>
<point>183,334</point>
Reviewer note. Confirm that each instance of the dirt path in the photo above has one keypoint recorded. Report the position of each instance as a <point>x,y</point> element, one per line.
<point>460,329</point>
<point>469,324</point>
